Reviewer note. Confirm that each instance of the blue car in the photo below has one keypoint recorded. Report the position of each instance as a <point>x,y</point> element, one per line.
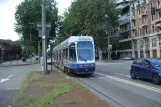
<point>148,68</point>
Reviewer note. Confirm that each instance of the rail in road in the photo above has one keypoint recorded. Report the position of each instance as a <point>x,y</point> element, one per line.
<point>112,82</point>
<point>101,93</point>
<point>117,102</point>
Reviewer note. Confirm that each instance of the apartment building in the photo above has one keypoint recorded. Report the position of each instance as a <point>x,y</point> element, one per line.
<point>124,30</point>
<point>145,16</point>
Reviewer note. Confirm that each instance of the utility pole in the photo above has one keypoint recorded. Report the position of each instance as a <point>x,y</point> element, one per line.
<point>39,49</point>
<point>30,45</point>
<point>108,47</point>
<point>44,37</point>
<point>31,25</point>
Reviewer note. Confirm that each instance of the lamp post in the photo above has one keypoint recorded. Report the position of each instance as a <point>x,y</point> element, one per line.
<point>51,47</point>
<point>30,40</point>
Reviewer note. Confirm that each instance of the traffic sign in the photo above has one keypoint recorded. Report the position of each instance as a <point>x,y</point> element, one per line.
<point>2,49</point>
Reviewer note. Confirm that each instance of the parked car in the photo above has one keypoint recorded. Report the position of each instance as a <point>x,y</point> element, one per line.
<point>128,58</point>
<point>24,58</point>
<point>148,68</point>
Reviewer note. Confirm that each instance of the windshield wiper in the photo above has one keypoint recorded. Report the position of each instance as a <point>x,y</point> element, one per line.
<point>83,59</point>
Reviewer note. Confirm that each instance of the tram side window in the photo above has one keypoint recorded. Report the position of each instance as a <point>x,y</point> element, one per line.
<point>64,53</point>
<point>72,52</point>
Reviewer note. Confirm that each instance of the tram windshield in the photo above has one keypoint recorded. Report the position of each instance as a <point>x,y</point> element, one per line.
<point>85,51</point>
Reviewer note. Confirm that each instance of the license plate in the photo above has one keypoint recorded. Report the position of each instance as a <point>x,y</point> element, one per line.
<point>86,65</point>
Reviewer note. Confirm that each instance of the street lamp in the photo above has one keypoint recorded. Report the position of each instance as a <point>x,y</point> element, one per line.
<point>31,40</point>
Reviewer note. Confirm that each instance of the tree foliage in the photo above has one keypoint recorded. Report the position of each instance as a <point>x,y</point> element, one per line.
<point>90,17</point>
<point>28,14</point>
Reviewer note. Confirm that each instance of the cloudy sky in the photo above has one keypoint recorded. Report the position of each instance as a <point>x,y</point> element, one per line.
<point>7,10</point>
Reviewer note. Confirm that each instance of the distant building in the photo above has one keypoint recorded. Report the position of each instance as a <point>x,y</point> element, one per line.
<point>8,51</point>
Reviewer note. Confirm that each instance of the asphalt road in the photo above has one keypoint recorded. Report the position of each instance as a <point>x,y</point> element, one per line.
<point>113,80</point>
<point>10,81</point>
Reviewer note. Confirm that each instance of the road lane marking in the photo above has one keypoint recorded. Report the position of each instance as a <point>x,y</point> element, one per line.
<point>13,88</point>
<point>6,79</point>
<point>123,75</point>
<point>132,83</point>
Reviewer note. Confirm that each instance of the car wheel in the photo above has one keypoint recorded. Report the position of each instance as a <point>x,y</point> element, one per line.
<point>156,79</point>
<point>132,74</point>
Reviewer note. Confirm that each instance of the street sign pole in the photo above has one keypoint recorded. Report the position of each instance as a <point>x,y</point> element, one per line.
<point>44,36</point>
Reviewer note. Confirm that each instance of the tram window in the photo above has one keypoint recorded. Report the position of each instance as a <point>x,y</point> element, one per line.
<point>66,53</point>
<point>72,52</point>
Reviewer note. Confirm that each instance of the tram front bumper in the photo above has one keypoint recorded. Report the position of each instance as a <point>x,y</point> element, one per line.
<point>82,70</point>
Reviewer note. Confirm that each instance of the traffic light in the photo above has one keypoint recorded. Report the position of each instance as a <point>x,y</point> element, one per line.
<point>153,10</point>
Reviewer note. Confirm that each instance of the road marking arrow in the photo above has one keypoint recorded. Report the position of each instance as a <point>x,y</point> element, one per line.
<point>6,79</point>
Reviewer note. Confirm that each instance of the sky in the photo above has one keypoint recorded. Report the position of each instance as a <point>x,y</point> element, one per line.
<point>7,19</point>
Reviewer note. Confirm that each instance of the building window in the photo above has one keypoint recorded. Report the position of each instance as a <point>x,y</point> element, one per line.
<point>139,11</point>
<point>140,32</point>
<point>159,14</point>
<point>133,23</point>
<point>141,43</point>
<point>140,20</point>
<point>145,19</point>
<point>153,29</point>
<point>146,30</point>
<point>158,2</point>
<point>145,9</point>
<point>147,43</point>
<point>154,44</point>
<point>152,17</point>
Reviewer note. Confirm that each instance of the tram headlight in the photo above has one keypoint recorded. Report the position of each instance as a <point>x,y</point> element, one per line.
<point>80,65</point>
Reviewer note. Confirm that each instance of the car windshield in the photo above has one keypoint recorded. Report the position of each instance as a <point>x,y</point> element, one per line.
<point>85,51</point>
<point>156,62</point>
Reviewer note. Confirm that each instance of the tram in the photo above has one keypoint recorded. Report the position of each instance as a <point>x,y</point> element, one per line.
<point>76,55</point>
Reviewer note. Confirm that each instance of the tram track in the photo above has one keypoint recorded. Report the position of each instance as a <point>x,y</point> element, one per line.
<point>92,88</point>
<point>97,91</point>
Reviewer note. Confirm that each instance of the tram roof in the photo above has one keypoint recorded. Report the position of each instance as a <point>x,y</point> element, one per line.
<point>73,39</point>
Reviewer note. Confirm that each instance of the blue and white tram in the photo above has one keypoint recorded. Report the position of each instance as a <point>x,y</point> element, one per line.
<point>76,55</point>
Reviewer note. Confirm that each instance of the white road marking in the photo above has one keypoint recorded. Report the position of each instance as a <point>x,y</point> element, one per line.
<point>13,88</point>
<point>6,79</point>
<point>123,75</point>
<point>130,82</point>
<point>108,63</point>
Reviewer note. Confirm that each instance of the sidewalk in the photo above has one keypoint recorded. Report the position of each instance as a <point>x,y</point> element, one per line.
<point>117,61</point>
<point>18,63</point>
<point>55,90</point>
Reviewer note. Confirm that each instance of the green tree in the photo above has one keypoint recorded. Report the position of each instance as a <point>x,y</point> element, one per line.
<point>28,13</point>
<point>90,17</point>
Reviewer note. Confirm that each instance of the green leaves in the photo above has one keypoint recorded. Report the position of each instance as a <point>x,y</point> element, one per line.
<point>90,17</point>
<point>28,13</point>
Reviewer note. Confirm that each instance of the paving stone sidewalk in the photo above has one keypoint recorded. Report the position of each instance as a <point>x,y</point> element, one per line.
<point>55,90</point>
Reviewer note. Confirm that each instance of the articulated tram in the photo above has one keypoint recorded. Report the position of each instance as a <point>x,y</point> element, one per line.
<point>76,55</point>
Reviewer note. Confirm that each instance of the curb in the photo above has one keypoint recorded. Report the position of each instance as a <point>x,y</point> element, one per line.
<point>18,65</point>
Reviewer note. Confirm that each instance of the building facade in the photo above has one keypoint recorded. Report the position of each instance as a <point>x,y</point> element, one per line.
<point>124,30</point>
<point>144,37</point>
<point>146,28</point>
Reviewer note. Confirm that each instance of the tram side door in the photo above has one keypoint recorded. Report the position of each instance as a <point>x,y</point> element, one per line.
<point>61,57</point>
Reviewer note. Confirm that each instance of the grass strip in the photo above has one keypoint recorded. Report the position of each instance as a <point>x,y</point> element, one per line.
<point>76,102</point>
<point>26,100</point>
<point>46,99</point>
